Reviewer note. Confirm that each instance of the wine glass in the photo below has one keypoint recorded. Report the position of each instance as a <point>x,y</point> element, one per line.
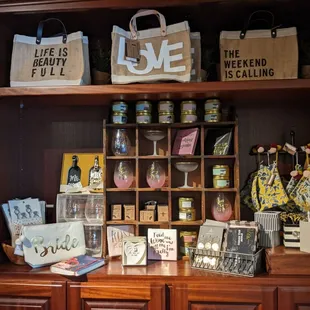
<point>186,167</point>
<point>123,174</point>
<point>75,209</point>
<point>154,135</point>
<point>93,239</point>
<point>155,175</point>
<point>221,208</point>
<point>120,142</point>
<point>94,209</point>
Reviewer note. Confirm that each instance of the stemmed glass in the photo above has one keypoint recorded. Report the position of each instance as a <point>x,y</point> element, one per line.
<point>123,174</point>
<point>186,167</point>
<point>155,175</point>
<point>154,135</point>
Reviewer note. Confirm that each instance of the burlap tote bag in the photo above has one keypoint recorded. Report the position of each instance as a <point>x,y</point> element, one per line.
<point>259,54</point>
<point>152,55</point>
<point>53,61</point>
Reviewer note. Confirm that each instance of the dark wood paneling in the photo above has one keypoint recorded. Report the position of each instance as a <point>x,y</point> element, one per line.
<point>11,303</point>
<point>194,306</point>
<point>110,305</point>
<point>294,298</point>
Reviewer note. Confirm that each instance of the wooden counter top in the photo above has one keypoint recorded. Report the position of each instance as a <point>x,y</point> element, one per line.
<point>160,271</point>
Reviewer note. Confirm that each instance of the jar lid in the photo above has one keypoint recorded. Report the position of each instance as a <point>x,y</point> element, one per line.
<point>165,113</point>
<point>211,100</point>
<point>119,102</point>
<point>213,111</point>
<point>188,101</point>
<point>221,166</point>
<point>140,113</point>
<point>189,112</point>
<point>143,102</point>
<point>165,102</point>
<point>220,177</point>
<point>186,199</point>
<point>119,114</point>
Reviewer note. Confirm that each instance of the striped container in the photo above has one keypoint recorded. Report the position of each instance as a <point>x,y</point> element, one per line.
<point>291,235</point>
<point>269,239</point>
<point>269,221</point>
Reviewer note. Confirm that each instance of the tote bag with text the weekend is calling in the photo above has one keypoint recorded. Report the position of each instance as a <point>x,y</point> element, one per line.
<point>165,52</point>
<point>53,61</point>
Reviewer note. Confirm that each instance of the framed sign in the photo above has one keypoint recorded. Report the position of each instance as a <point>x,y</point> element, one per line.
<point>162,244</point>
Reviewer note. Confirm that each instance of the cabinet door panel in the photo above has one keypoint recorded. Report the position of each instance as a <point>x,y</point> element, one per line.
<point>118,295</point>
<point>113,305</point>
<point>222,297</point>
<point>32,295</point>
<point>294,298</point>
<point>11,303</point>
<point>211,306</point>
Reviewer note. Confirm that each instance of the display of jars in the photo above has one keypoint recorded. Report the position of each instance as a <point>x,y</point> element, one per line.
<point>188,240</point>
<point>188,111</point>
<point>143,117</point>
<point>212,110</point>
<point>119,112</point>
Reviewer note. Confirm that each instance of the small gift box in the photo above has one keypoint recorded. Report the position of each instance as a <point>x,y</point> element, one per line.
<point>304,236</point>
<point>291,235</point>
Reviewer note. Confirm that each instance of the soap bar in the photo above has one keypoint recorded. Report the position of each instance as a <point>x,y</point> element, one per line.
<point>163,215</point>
<point>129,212</point>
<point>116,211</point>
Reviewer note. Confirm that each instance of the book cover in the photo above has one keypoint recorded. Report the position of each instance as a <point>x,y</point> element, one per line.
<point>77,266</point>
<point>185,142</point>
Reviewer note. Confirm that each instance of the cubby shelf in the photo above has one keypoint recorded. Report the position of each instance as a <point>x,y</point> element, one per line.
<point>200,179</point>
<point>187,223</point>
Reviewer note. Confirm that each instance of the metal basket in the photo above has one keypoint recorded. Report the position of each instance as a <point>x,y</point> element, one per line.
<point>247,265</point>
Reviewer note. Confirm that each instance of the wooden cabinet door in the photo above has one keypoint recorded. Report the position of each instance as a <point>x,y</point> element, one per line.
<point>118,295</point>
<point>222,297</point>
<point>32,295</point>
<point>294,298</point>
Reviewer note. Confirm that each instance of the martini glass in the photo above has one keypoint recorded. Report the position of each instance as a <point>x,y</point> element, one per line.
<point>154,135</point>
<point>186,167</point>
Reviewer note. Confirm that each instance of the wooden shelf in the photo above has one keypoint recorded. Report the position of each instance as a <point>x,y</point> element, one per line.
<point>220,156</point>
<point>185,156</point>
<point>193,189</point>
<point>153,223</point>
<point>122,222</point>
<point>148,189</point>
<point>121,157</point>
<point>225,90</point>
<point>187,223</point>
<point>120,189</point>
<point>153,157</point>
<point>220,189</point>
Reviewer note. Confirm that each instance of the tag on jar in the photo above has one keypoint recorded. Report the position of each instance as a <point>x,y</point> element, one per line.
<point>132,50</point>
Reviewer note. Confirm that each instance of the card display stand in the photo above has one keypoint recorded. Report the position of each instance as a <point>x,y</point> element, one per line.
<point>247,265</point>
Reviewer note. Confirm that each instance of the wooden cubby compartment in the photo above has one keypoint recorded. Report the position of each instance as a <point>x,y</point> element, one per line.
<point>201,179</point>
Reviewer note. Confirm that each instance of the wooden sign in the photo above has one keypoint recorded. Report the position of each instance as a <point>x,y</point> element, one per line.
<point>162,244</point>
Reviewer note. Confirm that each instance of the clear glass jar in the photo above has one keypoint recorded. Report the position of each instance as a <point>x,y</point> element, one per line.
<point>120,142</point>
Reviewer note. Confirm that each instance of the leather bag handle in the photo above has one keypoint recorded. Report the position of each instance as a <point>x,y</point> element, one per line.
<point>41,26</point>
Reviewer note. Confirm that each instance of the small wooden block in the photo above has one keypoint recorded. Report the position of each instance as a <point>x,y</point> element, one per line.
<point>147,216</point>
<point>116,211</point>
<point>163,215</point>
<point>129,212</point>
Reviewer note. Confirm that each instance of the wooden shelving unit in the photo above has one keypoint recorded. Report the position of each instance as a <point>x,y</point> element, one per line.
<point>201,179</point>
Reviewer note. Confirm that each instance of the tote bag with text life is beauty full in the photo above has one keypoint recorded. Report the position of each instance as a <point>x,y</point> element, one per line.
<point>53,61</point>
<point>165,52</point>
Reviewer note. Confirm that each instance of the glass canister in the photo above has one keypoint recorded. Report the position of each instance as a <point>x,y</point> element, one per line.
<point>119,118</point>
<point>188,240</point>
<point>187,214</point>
<point>212,104</point>
<point>119,106</point>
<point>165,106</point>
<point>188,117</point>
<point>143,106</point>
<point>188,105</point>
<point>93,239</point>
<point>221,182</point>
<point>212,116</point>
<point>143,117</point>
<point>186,203</point>
<point>166,118</point>
<point>220,170</point>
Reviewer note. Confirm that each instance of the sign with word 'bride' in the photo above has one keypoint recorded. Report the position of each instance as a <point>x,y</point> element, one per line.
<point>151,55</point>
<point>51,243</point>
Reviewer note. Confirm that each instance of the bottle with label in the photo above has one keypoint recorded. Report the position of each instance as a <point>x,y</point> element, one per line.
<point>95,173</point>
<point>74,173</point>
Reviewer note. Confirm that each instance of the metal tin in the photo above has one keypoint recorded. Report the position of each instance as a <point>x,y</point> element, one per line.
<point>119,118</point>
<point>188,118</point>
<point>220,170</point>
<point>221,182</point>
<point>212,116</point>
<point>143,117</point>
<point>120,106</point>
<point>143,106</point>
<point>187,214</point>
<point>165,106</point>
<point>186,203</point>
<point>212,104</point>
<point>188,240</point>
<point>188,105</point>
<point>166,118</point>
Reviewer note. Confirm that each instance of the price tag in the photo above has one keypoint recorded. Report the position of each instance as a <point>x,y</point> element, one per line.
<point>133,50</point>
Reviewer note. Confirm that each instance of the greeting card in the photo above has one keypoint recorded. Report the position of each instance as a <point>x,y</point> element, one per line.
<point>185,142</point>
